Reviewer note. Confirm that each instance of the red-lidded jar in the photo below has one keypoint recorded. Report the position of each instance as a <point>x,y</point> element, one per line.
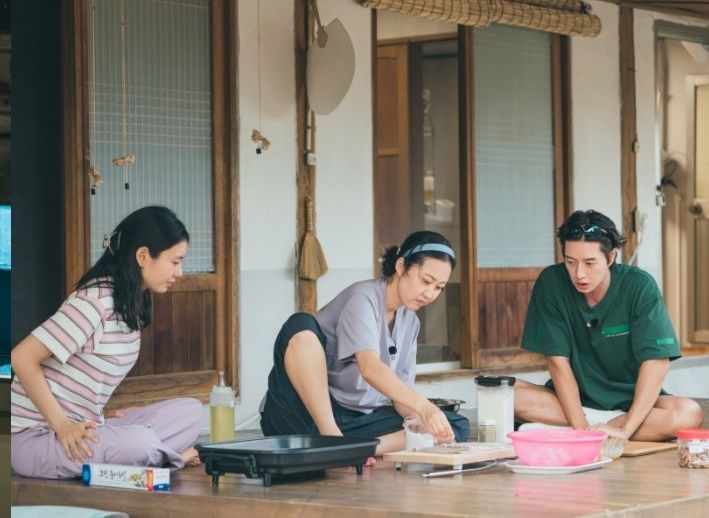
<point>693,448</point>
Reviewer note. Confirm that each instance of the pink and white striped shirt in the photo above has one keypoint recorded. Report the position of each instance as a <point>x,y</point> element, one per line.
<point>92,351</point>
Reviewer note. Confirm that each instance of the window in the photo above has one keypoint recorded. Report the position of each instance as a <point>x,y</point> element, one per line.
<point>516,196</point>
<point>157,88</point>
<point>469,134</point>
<point>514,147</point>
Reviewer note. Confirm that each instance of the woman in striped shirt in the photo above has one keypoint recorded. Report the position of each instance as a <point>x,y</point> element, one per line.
<point>67,368</point>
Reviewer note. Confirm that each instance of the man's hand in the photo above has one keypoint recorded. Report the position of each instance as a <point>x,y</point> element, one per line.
<point>72,436</point>
<point>612,431</point>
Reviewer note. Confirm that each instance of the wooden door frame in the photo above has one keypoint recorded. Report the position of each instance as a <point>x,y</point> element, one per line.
<point>476,357</point>
<point>398,51</point>
<point>674,268</point>
<point>469,336</point>
<point>694,338</point>
<point>225,278</point>
<point>76,144</point>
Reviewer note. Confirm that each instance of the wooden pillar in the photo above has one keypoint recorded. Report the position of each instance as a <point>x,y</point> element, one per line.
<point>305,176</point>
<point>628,130</point>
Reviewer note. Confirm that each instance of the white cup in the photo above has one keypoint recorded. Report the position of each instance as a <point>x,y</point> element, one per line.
<point>417,438</point>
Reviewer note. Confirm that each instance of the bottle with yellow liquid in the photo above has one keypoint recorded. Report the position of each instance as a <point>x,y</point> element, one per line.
<point>221,412</point>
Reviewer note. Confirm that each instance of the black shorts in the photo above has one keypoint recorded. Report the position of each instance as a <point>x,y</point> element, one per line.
<point>285,414</point>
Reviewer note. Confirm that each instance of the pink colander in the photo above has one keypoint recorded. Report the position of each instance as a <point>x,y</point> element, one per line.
<point>557,447</point>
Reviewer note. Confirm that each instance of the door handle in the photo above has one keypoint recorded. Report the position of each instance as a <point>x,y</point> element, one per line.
<point>700,208</point>
<point>695,209</point>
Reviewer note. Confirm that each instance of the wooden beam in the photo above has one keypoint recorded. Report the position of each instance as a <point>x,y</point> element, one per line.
<point>628,129</point>
<point>418,39</point>
<point>696,9</point>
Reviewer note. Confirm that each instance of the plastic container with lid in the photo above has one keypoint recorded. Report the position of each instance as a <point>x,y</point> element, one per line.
<point>496,401</point>
<point>693,448</point>
<point>221,412</point>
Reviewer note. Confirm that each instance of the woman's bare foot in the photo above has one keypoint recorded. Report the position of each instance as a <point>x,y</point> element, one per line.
<point>190,457</point>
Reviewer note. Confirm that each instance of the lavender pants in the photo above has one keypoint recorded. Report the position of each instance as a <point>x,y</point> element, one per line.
<point>153,435</point>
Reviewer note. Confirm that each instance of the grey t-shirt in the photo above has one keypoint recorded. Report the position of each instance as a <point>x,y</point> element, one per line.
<point>355,320</point>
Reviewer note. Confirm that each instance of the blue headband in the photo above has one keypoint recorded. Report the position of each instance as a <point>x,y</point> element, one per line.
<point>429,247</point>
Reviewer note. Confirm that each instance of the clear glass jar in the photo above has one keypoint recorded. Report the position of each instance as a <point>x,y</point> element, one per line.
<point>417,437</point>
<point>486,431</point>
<point>693,448</point>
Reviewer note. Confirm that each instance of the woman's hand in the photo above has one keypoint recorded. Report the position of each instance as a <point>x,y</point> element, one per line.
<point>119,412</point>
<point>72,436</point>
<point>437,424</point>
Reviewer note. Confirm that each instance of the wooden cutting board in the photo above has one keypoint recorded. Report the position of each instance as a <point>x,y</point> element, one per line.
<point>635,448</point>
<point>476,453</point>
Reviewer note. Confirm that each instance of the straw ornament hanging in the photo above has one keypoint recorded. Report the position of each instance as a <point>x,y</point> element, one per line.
<point>258,138</point>
<point>312,264</point>
<point>128,158</point>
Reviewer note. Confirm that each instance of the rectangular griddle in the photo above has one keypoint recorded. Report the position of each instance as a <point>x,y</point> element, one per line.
<point>284,455</point>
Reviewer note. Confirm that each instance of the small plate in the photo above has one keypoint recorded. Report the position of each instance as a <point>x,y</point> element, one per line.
<point>517,467</point>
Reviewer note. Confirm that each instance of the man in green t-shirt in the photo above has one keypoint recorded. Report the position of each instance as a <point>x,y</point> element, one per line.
<point>608,340</point>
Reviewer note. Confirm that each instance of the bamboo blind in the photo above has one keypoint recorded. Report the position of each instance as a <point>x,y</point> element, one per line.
<point>569,17</point>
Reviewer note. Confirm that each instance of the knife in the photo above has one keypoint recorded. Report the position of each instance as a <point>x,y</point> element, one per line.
<point>447,472</point>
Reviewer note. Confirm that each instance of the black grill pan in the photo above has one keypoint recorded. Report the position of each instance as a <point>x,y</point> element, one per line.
<point>284,455</point>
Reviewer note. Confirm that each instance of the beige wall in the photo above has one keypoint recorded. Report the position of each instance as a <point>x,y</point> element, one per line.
<point>267,182</point>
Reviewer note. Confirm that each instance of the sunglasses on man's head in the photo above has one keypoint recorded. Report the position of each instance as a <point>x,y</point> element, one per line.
<point>592,231</point>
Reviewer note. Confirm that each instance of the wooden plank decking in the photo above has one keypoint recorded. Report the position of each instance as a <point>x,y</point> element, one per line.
<point>649,486</point>
<point>652,485</point>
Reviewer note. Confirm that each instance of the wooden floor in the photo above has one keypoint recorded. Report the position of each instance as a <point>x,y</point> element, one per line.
<point>652,485</point>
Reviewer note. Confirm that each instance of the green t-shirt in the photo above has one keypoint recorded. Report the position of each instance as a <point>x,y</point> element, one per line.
<point>606,343</point>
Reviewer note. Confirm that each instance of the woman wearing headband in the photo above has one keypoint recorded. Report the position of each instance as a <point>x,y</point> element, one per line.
<point>349,370</point>
<point>67,368</point>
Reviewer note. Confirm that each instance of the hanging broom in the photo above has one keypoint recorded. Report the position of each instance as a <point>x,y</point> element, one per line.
<point>312,263</point>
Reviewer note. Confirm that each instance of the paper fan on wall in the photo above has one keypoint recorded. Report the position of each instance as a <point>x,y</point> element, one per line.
<point>330,68</point>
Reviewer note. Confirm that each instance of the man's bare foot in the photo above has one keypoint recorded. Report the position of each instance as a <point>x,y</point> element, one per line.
<point>190,457</point>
